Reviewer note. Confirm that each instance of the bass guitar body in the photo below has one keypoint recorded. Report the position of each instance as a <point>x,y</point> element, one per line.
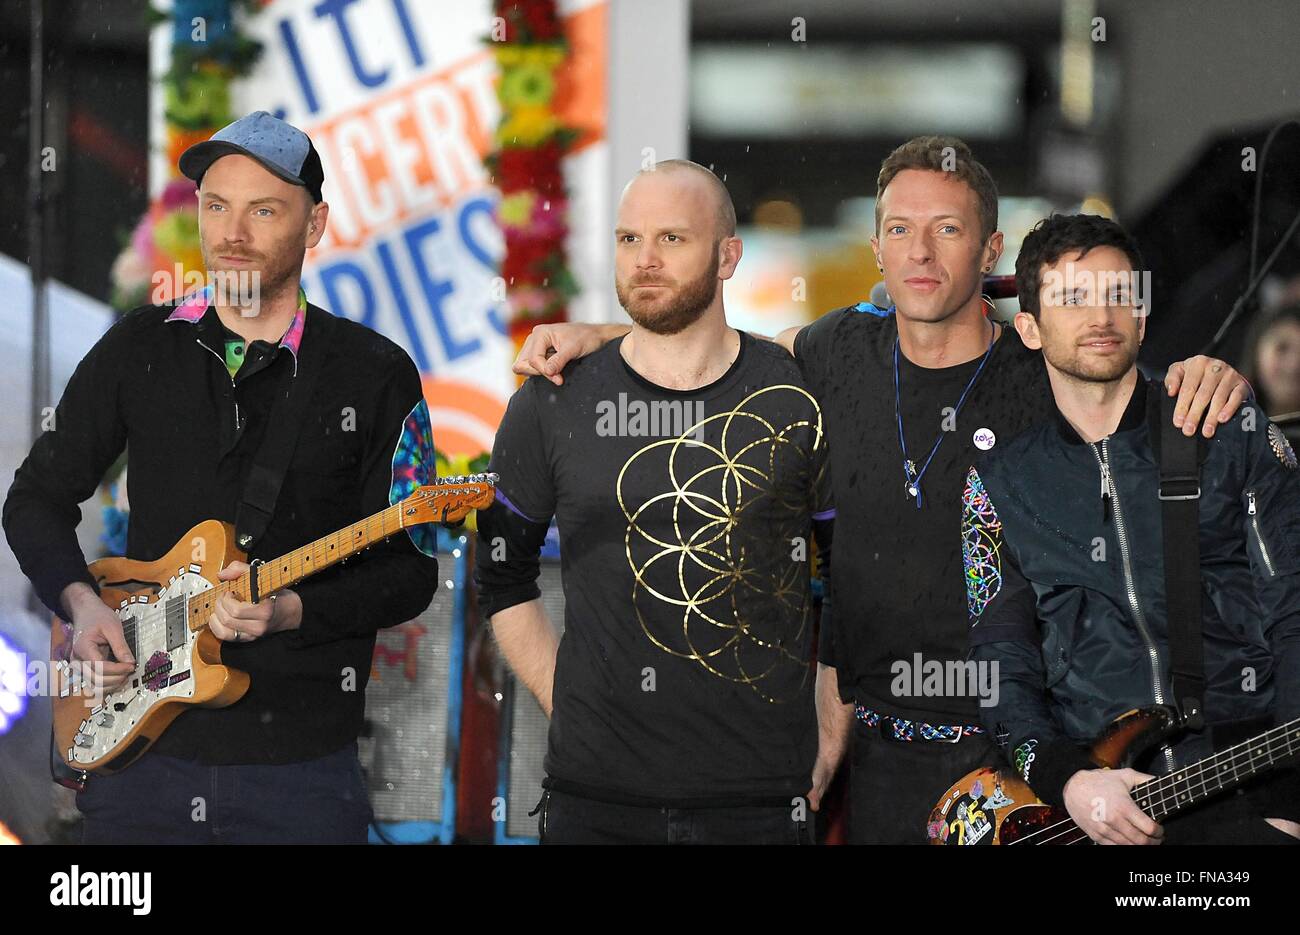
<point>993,805</point>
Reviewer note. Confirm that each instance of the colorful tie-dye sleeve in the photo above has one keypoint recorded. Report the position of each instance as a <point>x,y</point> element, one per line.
<point>413,466</point>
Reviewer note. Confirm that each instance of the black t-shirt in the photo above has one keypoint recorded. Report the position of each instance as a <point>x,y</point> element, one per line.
<point>898,569</point>
<point>684,671</point>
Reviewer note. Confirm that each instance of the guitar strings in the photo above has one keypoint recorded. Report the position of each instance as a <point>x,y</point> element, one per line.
<point>1257,749</point>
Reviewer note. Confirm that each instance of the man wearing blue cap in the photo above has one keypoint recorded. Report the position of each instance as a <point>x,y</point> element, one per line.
<point>280,764</point>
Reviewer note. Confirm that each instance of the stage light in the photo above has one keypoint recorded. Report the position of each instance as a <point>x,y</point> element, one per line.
<point>13,678</point>
<point>7,836</point>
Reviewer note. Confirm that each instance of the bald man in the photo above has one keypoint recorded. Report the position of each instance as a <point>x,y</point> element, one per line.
<point>685,466</point>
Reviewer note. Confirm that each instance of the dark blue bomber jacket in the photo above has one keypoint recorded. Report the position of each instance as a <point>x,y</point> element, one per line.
<point>1065,581</point>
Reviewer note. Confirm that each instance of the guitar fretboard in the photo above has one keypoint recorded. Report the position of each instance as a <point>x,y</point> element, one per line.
<point>1165,795</point>
<point>292,567</point>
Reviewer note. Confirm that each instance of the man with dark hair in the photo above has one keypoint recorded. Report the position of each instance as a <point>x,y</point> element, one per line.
<point>187,389</point>
<point>910,394</point>
<point>1067,588</point>
<point>1053,237</point>
<point>685,468</point>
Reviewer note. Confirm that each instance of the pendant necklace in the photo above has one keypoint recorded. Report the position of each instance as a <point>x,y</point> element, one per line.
<point>911,475</point>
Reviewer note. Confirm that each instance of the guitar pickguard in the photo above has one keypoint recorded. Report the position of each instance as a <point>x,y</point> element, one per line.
<point>163,646</point>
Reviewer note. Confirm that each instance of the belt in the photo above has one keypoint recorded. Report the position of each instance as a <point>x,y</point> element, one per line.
<point>901,729</point>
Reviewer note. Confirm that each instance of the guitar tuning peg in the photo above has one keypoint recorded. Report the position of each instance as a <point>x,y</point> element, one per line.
<point>491,479</point>
<point>458,479</point>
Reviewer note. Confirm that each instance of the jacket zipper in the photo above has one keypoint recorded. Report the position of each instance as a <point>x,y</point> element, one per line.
<point>1259,537</point>
<point>232,379</point>
<point>1102,453</point>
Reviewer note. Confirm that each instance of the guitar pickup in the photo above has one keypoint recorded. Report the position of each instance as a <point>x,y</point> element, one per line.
<point>175,612</point>
<point>128,634</point>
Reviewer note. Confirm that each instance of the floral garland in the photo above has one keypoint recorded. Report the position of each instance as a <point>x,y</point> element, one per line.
<point>531,140</point>
<point>208,52</point>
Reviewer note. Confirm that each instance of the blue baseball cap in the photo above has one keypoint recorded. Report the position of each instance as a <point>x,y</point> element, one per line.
<point>281,148</point>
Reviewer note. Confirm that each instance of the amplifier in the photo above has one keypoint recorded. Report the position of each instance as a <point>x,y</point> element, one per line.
<point>411,742</point>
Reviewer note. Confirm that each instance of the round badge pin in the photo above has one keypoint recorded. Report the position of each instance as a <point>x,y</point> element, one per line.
<point>984,439</point>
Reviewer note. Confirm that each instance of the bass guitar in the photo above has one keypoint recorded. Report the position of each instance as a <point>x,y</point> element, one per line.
<point>994,806</point>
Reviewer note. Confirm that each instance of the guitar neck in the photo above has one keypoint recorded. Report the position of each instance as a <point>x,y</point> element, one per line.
<point>303,562</point>
<point>1165,795</point>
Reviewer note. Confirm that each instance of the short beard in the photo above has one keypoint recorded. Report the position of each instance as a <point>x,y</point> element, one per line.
<point>272,280</point>
<point>687,305</point>
<point>1101,371</point>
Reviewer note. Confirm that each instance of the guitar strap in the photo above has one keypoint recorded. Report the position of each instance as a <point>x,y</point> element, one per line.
<point>1180,493</point>
<point>271,463</point>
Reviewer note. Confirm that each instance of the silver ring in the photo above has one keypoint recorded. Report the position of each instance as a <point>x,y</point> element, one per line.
<point>235,638</point>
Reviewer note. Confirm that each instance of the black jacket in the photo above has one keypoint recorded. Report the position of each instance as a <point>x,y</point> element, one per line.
<point>161,389</point>
<point>1041,541</point>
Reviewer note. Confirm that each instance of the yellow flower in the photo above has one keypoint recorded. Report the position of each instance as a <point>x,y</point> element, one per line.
<point>526,126</point>
<point>527,86</point>
<point>509,54</point>
<point>515,210</point>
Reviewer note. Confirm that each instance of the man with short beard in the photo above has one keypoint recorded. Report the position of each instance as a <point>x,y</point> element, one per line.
<point>1063,545</point>
<point>685,466</point>
<point>187,388</point>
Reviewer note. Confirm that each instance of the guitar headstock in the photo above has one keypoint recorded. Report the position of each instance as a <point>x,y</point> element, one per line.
<point>449,499</point>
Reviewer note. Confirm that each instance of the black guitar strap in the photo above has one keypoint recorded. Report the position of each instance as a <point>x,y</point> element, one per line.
<point>271,463</point>
<point>1180,494</point>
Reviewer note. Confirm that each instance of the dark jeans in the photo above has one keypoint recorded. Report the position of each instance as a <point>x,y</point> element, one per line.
<point>893,785</point>
<point>163,800</point>
<point>568,819</point>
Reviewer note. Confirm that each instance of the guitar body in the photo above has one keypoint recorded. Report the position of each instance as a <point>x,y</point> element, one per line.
<point>993,805</point>
<point>176,668</point>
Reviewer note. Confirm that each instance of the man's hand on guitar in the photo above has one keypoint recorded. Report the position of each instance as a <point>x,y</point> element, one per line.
<point>97,638</point>
<point>1099,802</point>
<point>236,621</point>
<point>549,348</point>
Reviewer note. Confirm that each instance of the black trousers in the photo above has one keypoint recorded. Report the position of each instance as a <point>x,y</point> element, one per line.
<point>894,785</point>
<point>568,819</point>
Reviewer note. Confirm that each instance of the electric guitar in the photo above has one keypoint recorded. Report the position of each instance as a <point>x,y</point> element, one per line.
<point>994,806</point>
<point>165,606</point>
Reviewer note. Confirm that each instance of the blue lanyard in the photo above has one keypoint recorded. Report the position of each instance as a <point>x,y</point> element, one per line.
<point>910,473</point>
